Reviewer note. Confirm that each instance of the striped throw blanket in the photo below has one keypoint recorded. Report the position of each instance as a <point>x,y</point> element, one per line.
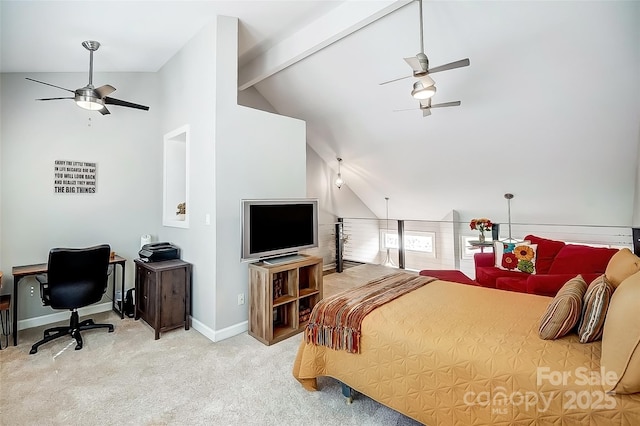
<point>335,322</point>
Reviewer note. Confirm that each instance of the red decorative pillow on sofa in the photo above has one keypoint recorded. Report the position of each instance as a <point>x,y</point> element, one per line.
<point>546,253</point>
<point>578,259</point>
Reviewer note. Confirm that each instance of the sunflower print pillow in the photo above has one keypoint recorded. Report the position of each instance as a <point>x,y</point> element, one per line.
<point>517,257</point>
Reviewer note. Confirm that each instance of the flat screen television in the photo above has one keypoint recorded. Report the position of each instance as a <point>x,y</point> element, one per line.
<point>272,228</point>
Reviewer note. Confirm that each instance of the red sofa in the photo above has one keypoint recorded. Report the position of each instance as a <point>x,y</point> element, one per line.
<point>556,263</point>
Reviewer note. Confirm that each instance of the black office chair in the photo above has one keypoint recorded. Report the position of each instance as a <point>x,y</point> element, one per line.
<point>76,277</point>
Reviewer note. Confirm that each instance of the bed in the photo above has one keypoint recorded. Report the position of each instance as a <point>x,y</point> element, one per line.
<point>454,354</point>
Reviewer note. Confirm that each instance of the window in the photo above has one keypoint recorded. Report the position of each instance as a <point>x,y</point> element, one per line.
<point>423,242</point>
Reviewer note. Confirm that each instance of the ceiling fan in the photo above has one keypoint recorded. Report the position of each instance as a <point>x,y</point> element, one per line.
<point>425,106</point>
<point>89,97</point>
<point>425,87</point>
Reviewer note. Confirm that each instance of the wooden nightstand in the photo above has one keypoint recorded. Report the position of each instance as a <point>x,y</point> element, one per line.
<point>163,294</point>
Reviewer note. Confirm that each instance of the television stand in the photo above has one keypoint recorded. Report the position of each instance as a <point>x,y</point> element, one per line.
<point>281,297</point>
<point>283,259</point>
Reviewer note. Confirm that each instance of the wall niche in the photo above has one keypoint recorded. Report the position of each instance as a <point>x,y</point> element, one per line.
<point>175,200</point>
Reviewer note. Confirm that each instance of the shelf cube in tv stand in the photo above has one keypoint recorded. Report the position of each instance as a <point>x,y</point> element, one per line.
<point>281,297</point>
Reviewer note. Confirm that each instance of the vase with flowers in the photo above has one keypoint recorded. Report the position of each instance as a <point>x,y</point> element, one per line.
<point>482,224</point>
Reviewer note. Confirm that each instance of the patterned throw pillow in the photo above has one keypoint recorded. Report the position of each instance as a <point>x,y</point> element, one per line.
<point>563,313</point>
<point>518,257</point>
<point>594,310</point>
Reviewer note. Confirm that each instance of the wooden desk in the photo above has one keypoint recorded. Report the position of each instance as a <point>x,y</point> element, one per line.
<point>20,272</point>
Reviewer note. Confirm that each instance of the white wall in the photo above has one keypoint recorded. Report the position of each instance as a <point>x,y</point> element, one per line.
<point>258,155</point>
<point>188,87</point>
<point>236,153</point>
<point>333,202</point>
<point>251,98</point>
<point>125,147</point>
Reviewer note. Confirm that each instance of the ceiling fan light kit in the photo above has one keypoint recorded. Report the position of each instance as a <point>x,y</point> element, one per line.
<point>89,97</point>
<point>421,92</point>
<point>84,99</point>
<point>89,103</point>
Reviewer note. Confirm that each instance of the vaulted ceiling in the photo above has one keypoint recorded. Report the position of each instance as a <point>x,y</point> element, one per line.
<point>550,103</point>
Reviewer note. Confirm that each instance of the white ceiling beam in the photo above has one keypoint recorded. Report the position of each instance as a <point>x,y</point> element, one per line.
<point>329,28</point>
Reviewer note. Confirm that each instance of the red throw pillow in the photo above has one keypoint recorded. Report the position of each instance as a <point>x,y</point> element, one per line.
<point>579,259</point>
<point>546,253</point>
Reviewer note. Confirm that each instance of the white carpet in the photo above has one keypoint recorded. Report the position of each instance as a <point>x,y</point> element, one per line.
<point>128,378</point>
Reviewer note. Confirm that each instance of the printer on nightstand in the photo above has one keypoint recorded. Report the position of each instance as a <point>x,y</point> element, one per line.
<point>157,252</point>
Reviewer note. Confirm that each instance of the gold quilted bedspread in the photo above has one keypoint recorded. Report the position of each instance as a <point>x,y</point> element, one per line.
<point>453,354</point>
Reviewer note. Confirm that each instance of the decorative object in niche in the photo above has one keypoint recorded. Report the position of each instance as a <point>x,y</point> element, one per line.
<point>182,211</point>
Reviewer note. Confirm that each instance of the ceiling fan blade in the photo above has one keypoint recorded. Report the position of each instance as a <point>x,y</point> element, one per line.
<point>406,109</point>
<point>425,103</point>
<point>51,99</point>
<point>446,104</point>
<point>113,101</point>
<point>450,66</point>
<point>104,110</point>
<point>49,84</point>
<point>426,112</point>
<point>105,90</point>
<point>414,63</point>
<point>394,80</point>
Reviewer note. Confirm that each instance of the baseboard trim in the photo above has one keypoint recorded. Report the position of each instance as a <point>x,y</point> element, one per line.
<point>231,331</point>
<point>62,316</point>
<point>218,335</point>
